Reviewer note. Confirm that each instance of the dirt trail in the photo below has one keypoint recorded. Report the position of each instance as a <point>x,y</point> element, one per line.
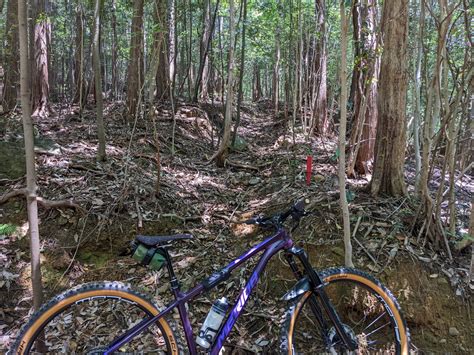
<point>264,176</point>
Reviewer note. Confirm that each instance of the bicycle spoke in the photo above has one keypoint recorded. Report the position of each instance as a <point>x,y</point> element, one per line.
<point>373,322</point>
<point>376,330</point>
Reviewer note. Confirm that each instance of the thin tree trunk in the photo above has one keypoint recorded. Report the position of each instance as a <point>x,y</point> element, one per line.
<point>135,68</point>
<point>391,126</point>
<point>11,76</point>
<point>204,59</point>
<point>190,51</point>
<point>162,75</point>
<point>417,95</point>
<point>221,155</point>
<point>431,226</point>
<point>172,65</point>
<point>172,43</point>
<point>79,57</point>
<point>276,67</point>
<point>98,82</point>
<point>114,50</point>
<point>320,111</point>
<point>32,203</point>
<point>42,39</point>
<point>471,234</point>
<point>241,74</point>
<point>366,70</point>
<point>202,79</point>
<point>342,140</point>
<point>257,86</point>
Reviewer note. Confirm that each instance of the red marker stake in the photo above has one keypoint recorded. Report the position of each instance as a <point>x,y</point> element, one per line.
<point>309,167</point>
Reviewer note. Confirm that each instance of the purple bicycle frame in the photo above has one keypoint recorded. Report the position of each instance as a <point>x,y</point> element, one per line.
<point>272,245</point>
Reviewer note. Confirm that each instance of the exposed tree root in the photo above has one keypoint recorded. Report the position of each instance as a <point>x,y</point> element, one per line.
<point>432,228</point>
<point>48,204</point>
<point>241,165</point>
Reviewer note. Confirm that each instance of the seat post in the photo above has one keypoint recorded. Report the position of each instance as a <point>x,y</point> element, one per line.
<point>175,287</point>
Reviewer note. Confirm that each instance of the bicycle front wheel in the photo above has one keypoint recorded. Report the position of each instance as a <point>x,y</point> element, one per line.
<point>86,319</point>
<point>367,309</point>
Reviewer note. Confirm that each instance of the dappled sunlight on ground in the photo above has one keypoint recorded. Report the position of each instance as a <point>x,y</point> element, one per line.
<point>266,175</point>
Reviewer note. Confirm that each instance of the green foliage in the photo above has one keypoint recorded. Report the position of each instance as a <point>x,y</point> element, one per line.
<point>335,156</point>
<point>7,229</point>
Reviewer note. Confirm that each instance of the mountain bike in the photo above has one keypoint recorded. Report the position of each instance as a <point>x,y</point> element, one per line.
<point>338,310</point>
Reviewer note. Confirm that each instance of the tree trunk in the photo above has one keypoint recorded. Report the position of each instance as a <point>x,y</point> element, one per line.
<point>417,95</point>
<point>366,70</point>
<point>241,74</point>
<point>356,36</point>
<point>391,103</point>
<point>98,82</point>
<point>431,226</point>
<point>32,203</point>
<point>79,96</point>
<point>135,68</point>
<point>114,51</point>
<point>276,67</point>
<point>202,79</point>
<point>342,142</point>
<point>172,43</point>
<point>221,155</point>
<point>172,36</point>
<point>256,83</point>
<point>42,39</point>
<point>11,76</point>
<point>162,75</point>
<point>320,111</point>
<point>471,234</point>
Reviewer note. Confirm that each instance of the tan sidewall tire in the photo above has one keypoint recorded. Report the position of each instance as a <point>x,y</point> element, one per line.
<point>357,276</point>
<point>106,289</point>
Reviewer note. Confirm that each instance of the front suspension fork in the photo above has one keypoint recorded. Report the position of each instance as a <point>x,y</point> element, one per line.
<point>318,290</point>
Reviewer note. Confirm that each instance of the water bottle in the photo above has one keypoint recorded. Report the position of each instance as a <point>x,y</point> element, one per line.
<point>212,323</point>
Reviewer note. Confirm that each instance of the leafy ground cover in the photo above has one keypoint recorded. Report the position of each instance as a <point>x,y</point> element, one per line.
<point>109,203</point>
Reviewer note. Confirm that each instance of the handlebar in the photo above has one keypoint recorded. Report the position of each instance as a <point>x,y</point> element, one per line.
<point>296,211</point>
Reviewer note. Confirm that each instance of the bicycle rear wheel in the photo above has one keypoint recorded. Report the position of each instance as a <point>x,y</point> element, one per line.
<point>367,309</point>
<point>86,319</point>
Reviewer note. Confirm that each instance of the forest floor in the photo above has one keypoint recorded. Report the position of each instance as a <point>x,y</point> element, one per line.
<point>266,175</point>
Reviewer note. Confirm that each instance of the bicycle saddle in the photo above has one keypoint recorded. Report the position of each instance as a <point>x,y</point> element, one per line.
<point>156,240</point>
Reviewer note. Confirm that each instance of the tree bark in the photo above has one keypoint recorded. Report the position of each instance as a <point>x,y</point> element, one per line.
<point>98,82</point>
<point>32,204</point>
<point>42,40</point>
<point>135,68</point>
<point>391,102</point>
<point>430,225</point>
<point>172,53</point>
<point>342,140</point>
<point>162,75</point>
<point>202,80</point>
<point>471,234</point>
<point>80,93</point>
<point>366,70</point>
<point>276,67</point>
<point>172,43</point>
<point>241,74</point>
<point>221,155</point>
<point>11,76</point>
<point>417,95</point>
<point>114,74</point>
<point>320,112</point>
<point>256,83</point>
